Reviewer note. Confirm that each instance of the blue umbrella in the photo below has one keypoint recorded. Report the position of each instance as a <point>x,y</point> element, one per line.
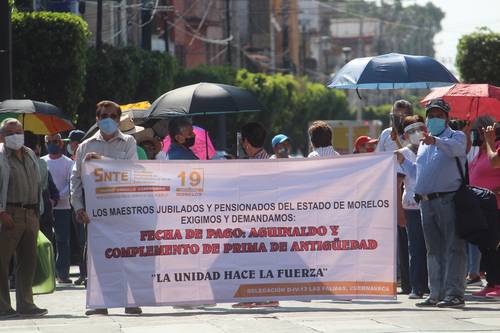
<point>392,71</point>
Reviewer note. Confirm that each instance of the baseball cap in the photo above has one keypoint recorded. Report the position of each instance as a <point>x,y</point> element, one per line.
<point>76,135</point>
<point>279,139</point>
<point>438,103</point>
<point>360,141</point>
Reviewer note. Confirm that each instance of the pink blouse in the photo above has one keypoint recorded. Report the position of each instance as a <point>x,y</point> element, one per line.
<point>482,174</point>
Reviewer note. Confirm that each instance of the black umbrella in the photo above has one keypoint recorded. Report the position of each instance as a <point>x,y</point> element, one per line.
<point>204,99</point>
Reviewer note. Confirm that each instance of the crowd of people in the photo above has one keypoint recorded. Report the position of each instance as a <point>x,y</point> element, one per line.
<point>45,193</point>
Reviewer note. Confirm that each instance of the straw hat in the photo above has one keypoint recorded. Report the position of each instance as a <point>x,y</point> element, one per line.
<point>127,125</point>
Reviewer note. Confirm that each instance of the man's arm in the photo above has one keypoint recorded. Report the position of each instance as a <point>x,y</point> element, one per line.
<point>454,146</point>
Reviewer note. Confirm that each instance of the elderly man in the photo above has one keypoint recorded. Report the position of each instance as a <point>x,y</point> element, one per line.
<point>20,186</point>
<point>108,142</point>
<point>60,168</point>
<point>437,180</point>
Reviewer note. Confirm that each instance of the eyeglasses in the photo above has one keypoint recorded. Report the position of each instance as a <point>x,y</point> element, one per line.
<point>113,116</point>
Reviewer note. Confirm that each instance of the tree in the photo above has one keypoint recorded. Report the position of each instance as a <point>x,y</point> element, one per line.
<point>478,57</point>
<point>49,58</point>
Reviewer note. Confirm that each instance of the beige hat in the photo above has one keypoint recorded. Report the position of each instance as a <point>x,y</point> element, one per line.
<point>127,125</point>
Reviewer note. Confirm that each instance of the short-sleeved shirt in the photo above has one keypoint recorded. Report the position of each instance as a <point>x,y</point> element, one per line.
<point>22,189</point>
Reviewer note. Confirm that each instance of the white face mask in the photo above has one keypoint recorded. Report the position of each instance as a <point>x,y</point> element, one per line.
<point>14,141</point>
<point>415,137</point>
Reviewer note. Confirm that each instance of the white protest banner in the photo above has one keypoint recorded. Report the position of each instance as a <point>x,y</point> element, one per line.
<point>191,232</point>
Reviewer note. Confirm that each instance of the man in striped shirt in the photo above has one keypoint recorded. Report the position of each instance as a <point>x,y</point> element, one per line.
<point>253,137</point>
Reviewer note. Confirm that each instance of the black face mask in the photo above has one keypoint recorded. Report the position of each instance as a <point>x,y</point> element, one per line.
<point>189,142</point>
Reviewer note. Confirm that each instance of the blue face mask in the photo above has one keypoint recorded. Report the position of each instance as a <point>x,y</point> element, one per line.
<point>108,126</point>
<point>53,149</point>
<point>435,125</point>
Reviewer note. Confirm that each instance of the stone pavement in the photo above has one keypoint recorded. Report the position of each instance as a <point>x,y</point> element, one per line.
<point>66,315</point>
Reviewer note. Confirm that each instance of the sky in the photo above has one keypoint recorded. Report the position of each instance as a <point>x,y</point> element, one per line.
<point>461,17</point>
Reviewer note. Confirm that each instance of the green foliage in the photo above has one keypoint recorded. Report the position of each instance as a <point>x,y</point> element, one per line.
<point>290,104</point>
<point>478,57</point>
<point>124,75</point>
<point>49,58</point>
<point>204,73</point>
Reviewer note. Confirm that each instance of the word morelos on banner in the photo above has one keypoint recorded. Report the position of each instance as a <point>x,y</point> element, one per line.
<point>177,232</point>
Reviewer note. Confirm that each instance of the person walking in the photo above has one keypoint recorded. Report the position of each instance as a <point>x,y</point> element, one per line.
<point>20,192</point>
<point>108,142</point>
<point>437,180</point>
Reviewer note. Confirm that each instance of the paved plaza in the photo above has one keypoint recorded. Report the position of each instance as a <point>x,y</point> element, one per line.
<point>67,306</point>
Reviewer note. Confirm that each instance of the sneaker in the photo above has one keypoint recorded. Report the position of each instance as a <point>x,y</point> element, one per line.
<point>133,310</point>
<point>494,293</point>
<point>428,302</point>
<point>416,296</point>
<point>244,305</point>
<point>34,312</point>
<point>268,304</point>
<point>92,312</point>
<point>79,281</point>
<point>64,281</point>
<point>474,281</point>
<point>483,292</point>
<point>7,314</point>
<point>451,302</point>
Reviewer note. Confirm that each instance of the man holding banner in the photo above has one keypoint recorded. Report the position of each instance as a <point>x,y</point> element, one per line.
<point>107,143</point>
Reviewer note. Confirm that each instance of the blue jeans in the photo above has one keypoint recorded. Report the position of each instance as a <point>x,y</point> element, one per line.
<point>446,255</point>
<point>473,259</point>
<point>62,228</point>
<point>418,252</point>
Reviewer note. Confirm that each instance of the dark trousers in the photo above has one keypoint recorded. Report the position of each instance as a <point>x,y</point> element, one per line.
<point>81,235</point>
<point>490,260</point>
<point>404,268</point>
<point>418,252</point>
<point>62,228</point>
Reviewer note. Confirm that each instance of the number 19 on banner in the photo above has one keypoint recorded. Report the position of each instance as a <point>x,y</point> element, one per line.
<point>191,181</point>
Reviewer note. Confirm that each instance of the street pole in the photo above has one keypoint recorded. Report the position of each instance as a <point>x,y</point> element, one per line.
<point>228,31</point>
<point>123,22</point>
<point>5,51</point>
<point>98,41</point>
<point>272,46</point>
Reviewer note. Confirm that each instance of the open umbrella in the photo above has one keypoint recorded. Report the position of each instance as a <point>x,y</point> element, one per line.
<point>38,117</point>
<point>200,144</point>
<point>468,101</point>
<point>392,71</point>
<point>203,99</point>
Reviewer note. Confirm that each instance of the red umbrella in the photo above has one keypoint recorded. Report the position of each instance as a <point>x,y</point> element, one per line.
<point>469,101</point>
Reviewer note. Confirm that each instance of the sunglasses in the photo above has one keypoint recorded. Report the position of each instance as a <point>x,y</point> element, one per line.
<point>113,116</point>
<point>55,142</point>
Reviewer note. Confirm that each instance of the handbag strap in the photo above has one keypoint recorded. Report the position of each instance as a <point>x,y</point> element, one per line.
<point>465,178</point>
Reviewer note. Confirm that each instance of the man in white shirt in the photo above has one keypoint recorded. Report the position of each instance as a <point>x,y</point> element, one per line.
<point>60,168</point>
<point>108,142</point>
